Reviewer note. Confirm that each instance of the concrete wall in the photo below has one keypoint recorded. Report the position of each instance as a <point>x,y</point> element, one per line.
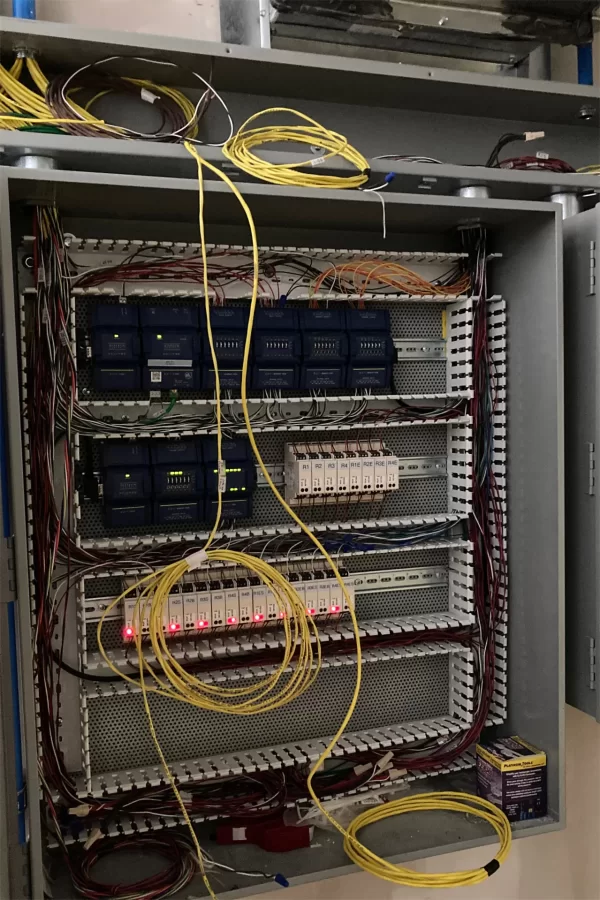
<point>177,18</point>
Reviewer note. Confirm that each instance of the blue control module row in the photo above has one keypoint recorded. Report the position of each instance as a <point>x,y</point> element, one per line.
<point>168,348</point>
<point>166,482</point>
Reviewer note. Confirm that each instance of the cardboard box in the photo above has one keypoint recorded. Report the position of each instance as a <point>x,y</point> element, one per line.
<point>512,774</point>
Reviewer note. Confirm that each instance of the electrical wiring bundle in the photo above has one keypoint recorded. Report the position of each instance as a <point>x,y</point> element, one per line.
<point>55,417</point>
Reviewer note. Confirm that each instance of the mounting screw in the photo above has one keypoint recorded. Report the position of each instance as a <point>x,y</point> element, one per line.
<point>587,112</point>
<point>263,13</point>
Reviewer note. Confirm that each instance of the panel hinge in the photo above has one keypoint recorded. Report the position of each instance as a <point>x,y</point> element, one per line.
<point>9,556</point>
<point>591,469</point>
<point>592,268</point>
<point>592,654</point>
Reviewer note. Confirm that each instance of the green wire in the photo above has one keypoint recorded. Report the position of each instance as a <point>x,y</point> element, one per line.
<point>165,412</point>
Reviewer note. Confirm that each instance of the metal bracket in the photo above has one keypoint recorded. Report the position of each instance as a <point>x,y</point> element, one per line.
<point>399,579</point>
<point>422,467</point>
<point>420,348</point>
<point>591,469</point>
<point>592,292</point>
<point>592,661</point>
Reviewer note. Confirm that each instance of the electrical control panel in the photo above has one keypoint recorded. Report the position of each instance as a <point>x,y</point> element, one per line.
<point>380,413</point>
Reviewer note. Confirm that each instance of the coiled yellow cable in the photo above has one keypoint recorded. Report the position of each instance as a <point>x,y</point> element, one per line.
<point>15,97</point>
<point>294,674</point>
<point>239,150</point>
<point>447,801</point>
<point>590,170</point>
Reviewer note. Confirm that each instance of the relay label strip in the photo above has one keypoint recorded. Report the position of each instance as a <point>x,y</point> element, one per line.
<point>355,470</point>
<point>197,606</point>
<point>166,347</point>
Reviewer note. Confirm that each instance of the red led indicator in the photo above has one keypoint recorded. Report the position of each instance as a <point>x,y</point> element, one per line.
<point>258,617</point>
<point>231,620</point>
<point>311,612</point>
<point>174,626</point>
<point>202,624</point>
<point>129,631</point>
<point>281,614</point>
<point>334,608</point>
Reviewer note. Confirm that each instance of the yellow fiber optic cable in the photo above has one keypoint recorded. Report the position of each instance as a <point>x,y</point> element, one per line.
<point>239,149</point>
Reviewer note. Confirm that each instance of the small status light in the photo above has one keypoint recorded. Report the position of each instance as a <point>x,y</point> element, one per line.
<point>174,626</point>
<point>281,614</point>
<point>311,611</point>
<point>231,620</point>
<point>127,475</point>
<point>202,623</point>
<point>129,631</point>
<point>334,608</point>
<point>115,335</point>
<point>258,617</point>
<point>159,337</point>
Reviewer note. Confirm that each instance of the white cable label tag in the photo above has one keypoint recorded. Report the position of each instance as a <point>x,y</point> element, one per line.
<point>156,377</point>
<point>148,96</point>
<point>197,559</point>
<point>238,834</point>
<point>318,161</point>
<point>222,486</point>
<point>541,155</point>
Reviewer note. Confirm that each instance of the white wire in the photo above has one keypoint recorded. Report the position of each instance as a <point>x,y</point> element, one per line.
<point>141,134</point>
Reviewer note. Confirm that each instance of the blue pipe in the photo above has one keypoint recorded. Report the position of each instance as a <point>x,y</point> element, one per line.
<point>24,9</point>
<point>585,64</point>
<point>12,629</point>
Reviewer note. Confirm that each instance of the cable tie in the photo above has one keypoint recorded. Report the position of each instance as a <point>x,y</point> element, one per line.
<point>196,560</point>
<point>94,836</point>
<point>492,867</point>
<point>80,811</point>
<point>384,762</point>
<point>148,96</point>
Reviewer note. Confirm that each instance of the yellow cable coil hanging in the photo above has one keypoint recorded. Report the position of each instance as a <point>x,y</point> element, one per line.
<point>240,150</point>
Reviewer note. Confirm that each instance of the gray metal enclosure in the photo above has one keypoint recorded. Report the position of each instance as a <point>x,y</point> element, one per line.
<point>582,385</point>
<point>528,276</point>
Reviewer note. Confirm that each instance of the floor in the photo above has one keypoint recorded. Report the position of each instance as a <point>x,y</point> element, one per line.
<point>564,865</point>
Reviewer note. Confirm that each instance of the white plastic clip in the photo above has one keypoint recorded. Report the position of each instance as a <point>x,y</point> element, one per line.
<point>94,835</point>
<point>196,560</point>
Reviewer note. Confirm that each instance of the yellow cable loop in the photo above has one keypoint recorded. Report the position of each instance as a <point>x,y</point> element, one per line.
<point>447,801</point>
<point>239,150</point>
<point>594,169</point>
